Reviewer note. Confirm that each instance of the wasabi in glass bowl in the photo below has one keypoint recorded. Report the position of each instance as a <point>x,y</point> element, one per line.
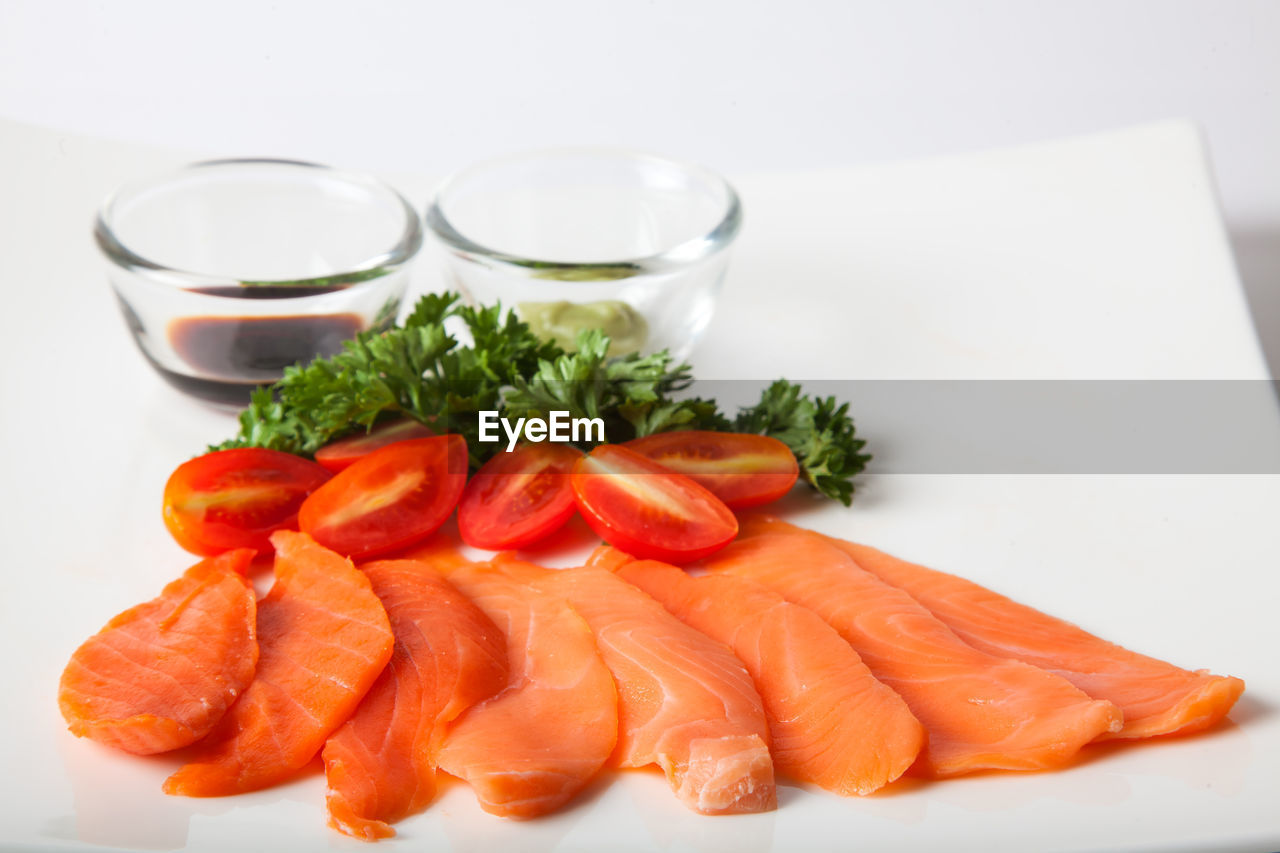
<point>578,238</point>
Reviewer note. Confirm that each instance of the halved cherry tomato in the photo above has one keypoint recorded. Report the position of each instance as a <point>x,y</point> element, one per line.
<point>389,499</point>
<point>519,497</point>
<point>236,498</point>
<point>647,510</point>
<point>740,469</point>
<point>339,454</point>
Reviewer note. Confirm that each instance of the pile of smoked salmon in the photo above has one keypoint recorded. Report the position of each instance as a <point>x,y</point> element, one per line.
<point>789,653</point>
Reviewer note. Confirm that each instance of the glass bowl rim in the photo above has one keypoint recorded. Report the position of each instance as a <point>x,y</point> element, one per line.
<point>405,247</point>
<point>680,256</point>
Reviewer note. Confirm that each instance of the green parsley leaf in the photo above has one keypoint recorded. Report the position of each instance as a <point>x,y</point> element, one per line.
<point>421,370</point>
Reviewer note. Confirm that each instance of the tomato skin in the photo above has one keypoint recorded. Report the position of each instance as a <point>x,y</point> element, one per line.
<point>518,497</point>
<point>741,469</point>
<point>647,510</point>
<point>237,498</point>
<point>391,498</point>
<point>338,455</point>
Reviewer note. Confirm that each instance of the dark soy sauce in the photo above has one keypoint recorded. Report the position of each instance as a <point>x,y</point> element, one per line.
<point>235,355</point>
<point>268,291</point>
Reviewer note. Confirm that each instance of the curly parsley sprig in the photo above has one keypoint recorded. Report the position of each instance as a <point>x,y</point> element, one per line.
<point>819,432</point>
<point>420,370</point>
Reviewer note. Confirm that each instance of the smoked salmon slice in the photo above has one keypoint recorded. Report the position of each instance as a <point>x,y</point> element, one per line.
<point>323,638</point>
<point>831,722</point>
<point>161,675</point>
<point>380,764</point>
<point>533,746</point>
<point>685,703</point>
<point>981,712</point>
<point>1157,698</point>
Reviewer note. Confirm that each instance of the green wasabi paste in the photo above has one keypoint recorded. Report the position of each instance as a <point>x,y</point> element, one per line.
<point>561,322</point>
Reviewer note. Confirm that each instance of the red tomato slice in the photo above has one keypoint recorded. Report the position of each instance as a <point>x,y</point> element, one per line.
<point>236,498</point>
<point>517,498</point>
<point>339,454</point>
<point>391,498</point>
<point>647,510</point>
<point>739,468</point>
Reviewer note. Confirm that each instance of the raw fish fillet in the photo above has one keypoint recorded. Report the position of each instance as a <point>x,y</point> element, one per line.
<point>1157,698</point>
<point>981,712</point>
<point>831,722</point>
<point>381,763</point>
<point>323,638</point>
<point>685,703</point>
<point>161,675</point>
<point>545,736</point>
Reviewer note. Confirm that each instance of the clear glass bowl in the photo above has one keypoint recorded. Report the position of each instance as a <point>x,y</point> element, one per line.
<point>580,237</point>
<point>228,271</point>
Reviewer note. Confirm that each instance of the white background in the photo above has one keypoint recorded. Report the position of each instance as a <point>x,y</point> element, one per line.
<point>427,87</point>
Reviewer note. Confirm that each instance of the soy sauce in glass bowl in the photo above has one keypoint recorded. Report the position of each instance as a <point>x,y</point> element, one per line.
<point>228,271</point>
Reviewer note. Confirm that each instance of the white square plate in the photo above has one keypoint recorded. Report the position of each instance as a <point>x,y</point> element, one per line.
<point>1094,258</point>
